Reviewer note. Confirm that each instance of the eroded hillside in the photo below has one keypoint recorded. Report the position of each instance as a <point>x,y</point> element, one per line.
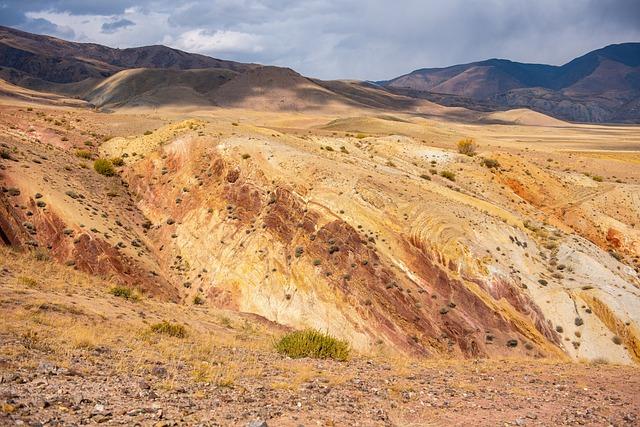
<point>372,227</point>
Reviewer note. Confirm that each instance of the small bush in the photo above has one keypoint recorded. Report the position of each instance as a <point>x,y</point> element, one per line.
<point>490,163</point>
<point>448,175</point>
<point>83,154</point>
<point>245,156</point>
<point>117,161</point>
<point>467,147</point>
<point>361,136</point>
<point>104,167</point>
<point>597,178</point>
<point>124,292</point>
<point>148,132</point>
<point>171,329</point>
<point>616,340</point>
<point>425,176</point>
<point>198,300</point>
<point>5,154</point>
<point>312,343</point>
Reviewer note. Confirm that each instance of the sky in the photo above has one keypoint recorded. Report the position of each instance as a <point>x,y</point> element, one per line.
<point>346,39</point>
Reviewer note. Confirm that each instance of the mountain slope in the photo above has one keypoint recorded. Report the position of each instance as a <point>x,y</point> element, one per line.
<point>59,61</point>
<point>591,88</point>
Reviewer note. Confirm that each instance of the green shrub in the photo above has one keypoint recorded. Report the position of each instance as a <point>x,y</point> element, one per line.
<point>104,167</point>
<point>171,329</point>
<point>597,178</point>
<point>448,175</point>
<point>312,343</point>
<point>83,154</point>
<point>124,292</point>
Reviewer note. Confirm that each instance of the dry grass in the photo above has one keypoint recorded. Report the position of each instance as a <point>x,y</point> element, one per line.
<point>64,312</point>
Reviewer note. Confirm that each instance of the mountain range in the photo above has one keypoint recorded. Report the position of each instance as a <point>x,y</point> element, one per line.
<point>601,86</point>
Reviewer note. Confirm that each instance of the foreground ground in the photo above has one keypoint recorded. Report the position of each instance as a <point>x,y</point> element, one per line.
<point>72,353</point>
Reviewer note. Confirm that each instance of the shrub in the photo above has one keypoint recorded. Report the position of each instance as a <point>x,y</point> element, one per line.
<point>124,292</point>
<point>117,161</point>
<point>312,343</point>
<point>148,132</point>
<point>245,156</point>
<point>171,329</point>
<point>425,176</point>
<point>616,340</point>
<point>198,300</point>
<point>361,136</point>
<point>104,167</point>
<point>448,175</point>
<point>597,178</point>
<point>467,147</point>
<point>490,163</point>
<point>83,154</point>
<point>5,154</point>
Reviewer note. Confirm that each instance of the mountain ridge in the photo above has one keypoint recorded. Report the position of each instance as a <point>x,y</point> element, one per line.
<point>571,91</point>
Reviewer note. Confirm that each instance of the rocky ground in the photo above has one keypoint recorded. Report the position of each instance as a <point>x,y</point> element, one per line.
<point>306,392</point>
<point>72,353</point>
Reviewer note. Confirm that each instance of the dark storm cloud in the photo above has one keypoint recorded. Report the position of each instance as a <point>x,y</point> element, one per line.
<point>112,27</point>
<point>367,39</point>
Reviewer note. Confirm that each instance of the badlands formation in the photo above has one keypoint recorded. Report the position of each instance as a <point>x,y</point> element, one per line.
<point>162,229</point>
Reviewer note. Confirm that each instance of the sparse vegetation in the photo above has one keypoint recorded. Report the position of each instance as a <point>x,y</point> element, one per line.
<point>148,132</point>
<point>467,147</point>
<point>312,343</point>
<point>104,167</point>
<point>170,329</point>
<point>117,161</point>
<point>124,292</point>
<point>490,163</point>
<point>83,154</point>
<point>448,175</point>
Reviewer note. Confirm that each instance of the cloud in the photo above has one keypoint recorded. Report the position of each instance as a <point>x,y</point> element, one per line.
<point>203,41</point>
<point>112,27</point>
<point>365,39</point>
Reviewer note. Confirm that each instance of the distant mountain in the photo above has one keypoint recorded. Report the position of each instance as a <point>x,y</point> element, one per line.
<point>601,86</point>
<point>26,58</point>
<point>156,76</point>
<point>597,87</point>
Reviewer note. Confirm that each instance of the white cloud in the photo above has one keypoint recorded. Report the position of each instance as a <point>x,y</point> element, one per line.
<point>215,42</point>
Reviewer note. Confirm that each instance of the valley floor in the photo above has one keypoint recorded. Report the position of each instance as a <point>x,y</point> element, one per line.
<point>71,353</point>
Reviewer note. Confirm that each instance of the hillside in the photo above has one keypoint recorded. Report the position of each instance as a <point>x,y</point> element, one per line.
<point>150,258</point>
<point>592,88</point>
<point>54,60</point>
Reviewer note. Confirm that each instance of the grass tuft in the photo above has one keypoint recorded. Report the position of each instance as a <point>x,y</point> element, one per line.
<point>313,343</point>
<point>171,329</point>
<point>124,292</point>
<point>104,167</point>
